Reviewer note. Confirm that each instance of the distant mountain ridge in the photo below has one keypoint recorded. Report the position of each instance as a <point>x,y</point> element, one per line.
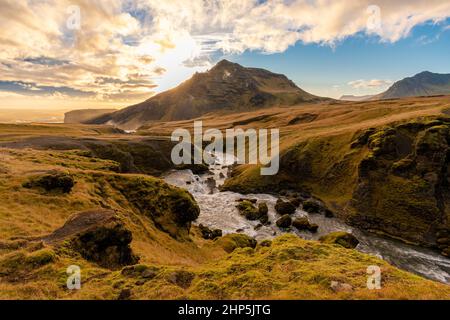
<point>422,84</point>
<point>350,97</point>
<point>227,86</point>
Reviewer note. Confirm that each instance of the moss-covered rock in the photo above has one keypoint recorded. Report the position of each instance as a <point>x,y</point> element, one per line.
<point>304,224</point>
<point>208,233</point>
<point>98,236</point>
<point>404,192</point>
<point>171,209</point>
<point>263,211</point>
<point>344,239</point>
<point>230,242</point>
<point>248,209</point>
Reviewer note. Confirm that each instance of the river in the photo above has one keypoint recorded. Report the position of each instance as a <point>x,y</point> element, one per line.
<point>218,211</point>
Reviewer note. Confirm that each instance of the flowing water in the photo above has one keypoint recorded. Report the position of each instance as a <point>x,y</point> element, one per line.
<point>218,211</point>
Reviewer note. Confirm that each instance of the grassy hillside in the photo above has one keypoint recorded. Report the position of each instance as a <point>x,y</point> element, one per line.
<point>146,247</point>
<point>381,165</point>
<point>173,261</point>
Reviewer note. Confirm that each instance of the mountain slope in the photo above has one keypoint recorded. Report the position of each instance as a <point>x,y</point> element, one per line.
<point>228,86</point>
<point>84,115</point>
<point>423,84</point>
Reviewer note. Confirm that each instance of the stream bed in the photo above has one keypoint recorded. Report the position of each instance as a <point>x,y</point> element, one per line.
<point>218,211</point>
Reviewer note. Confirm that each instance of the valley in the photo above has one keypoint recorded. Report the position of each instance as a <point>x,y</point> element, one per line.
<point>124,185</point>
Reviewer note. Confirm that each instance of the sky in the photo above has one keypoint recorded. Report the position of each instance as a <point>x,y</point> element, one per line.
<point>102,54</point>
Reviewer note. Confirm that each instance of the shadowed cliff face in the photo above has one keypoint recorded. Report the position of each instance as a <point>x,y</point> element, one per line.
<point>389,180</point>
<point>403,187</point>
<point>228,87</point>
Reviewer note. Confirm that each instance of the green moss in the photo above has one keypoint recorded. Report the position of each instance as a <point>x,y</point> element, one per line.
<point>172,209</point>
<point>343,239</point>
<point>230,242</point>
<point>41,257</point>
<point>21,261</point>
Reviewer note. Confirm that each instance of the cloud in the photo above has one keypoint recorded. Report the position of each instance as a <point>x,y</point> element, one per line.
<point>369,84</point>
<point>143,46</point>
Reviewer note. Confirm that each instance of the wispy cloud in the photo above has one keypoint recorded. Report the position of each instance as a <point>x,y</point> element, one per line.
<point>141,46</point>
<point>370,84</point>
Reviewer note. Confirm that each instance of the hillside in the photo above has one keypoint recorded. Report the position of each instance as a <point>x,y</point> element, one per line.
<point>381,165</point>
<point>131,235</point>
<point>84,115</point>
<point>336,151</point>
<point>228,87</point>
<point>421,85</point>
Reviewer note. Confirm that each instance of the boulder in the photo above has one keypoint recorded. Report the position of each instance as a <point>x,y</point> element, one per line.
<point>252,213</point>
<point>284,207</point>
<point>296,201</point>
<point>316,206</point>
<point>253,201</point>
<point>312,206</point>
<point>263,213</point>
<point>208,233</point>
<point>98,236</point>
<point>284,222</point>
<point>304,224</point>
<point>344,239</point>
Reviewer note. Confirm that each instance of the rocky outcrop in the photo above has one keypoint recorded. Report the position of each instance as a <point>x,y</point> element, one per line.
<point>344,239</point>
<point>284,222</point>
<point>209,234</point>
<point>231,242</point>
<point>403,186</point>
<point>51,182</point>
<point>98,236</point>
<point>171,209</point>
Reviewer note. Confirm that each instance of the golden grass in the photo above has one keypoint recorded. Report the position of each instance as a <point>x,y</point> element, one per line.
<point>291,268</point>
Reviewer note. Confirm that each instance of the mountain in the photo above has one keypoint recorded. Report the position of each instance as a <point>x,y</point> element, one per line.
<point>227,86</point>
<point>85,115</point>
<point>356,98</point>
<point>423,84</point>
